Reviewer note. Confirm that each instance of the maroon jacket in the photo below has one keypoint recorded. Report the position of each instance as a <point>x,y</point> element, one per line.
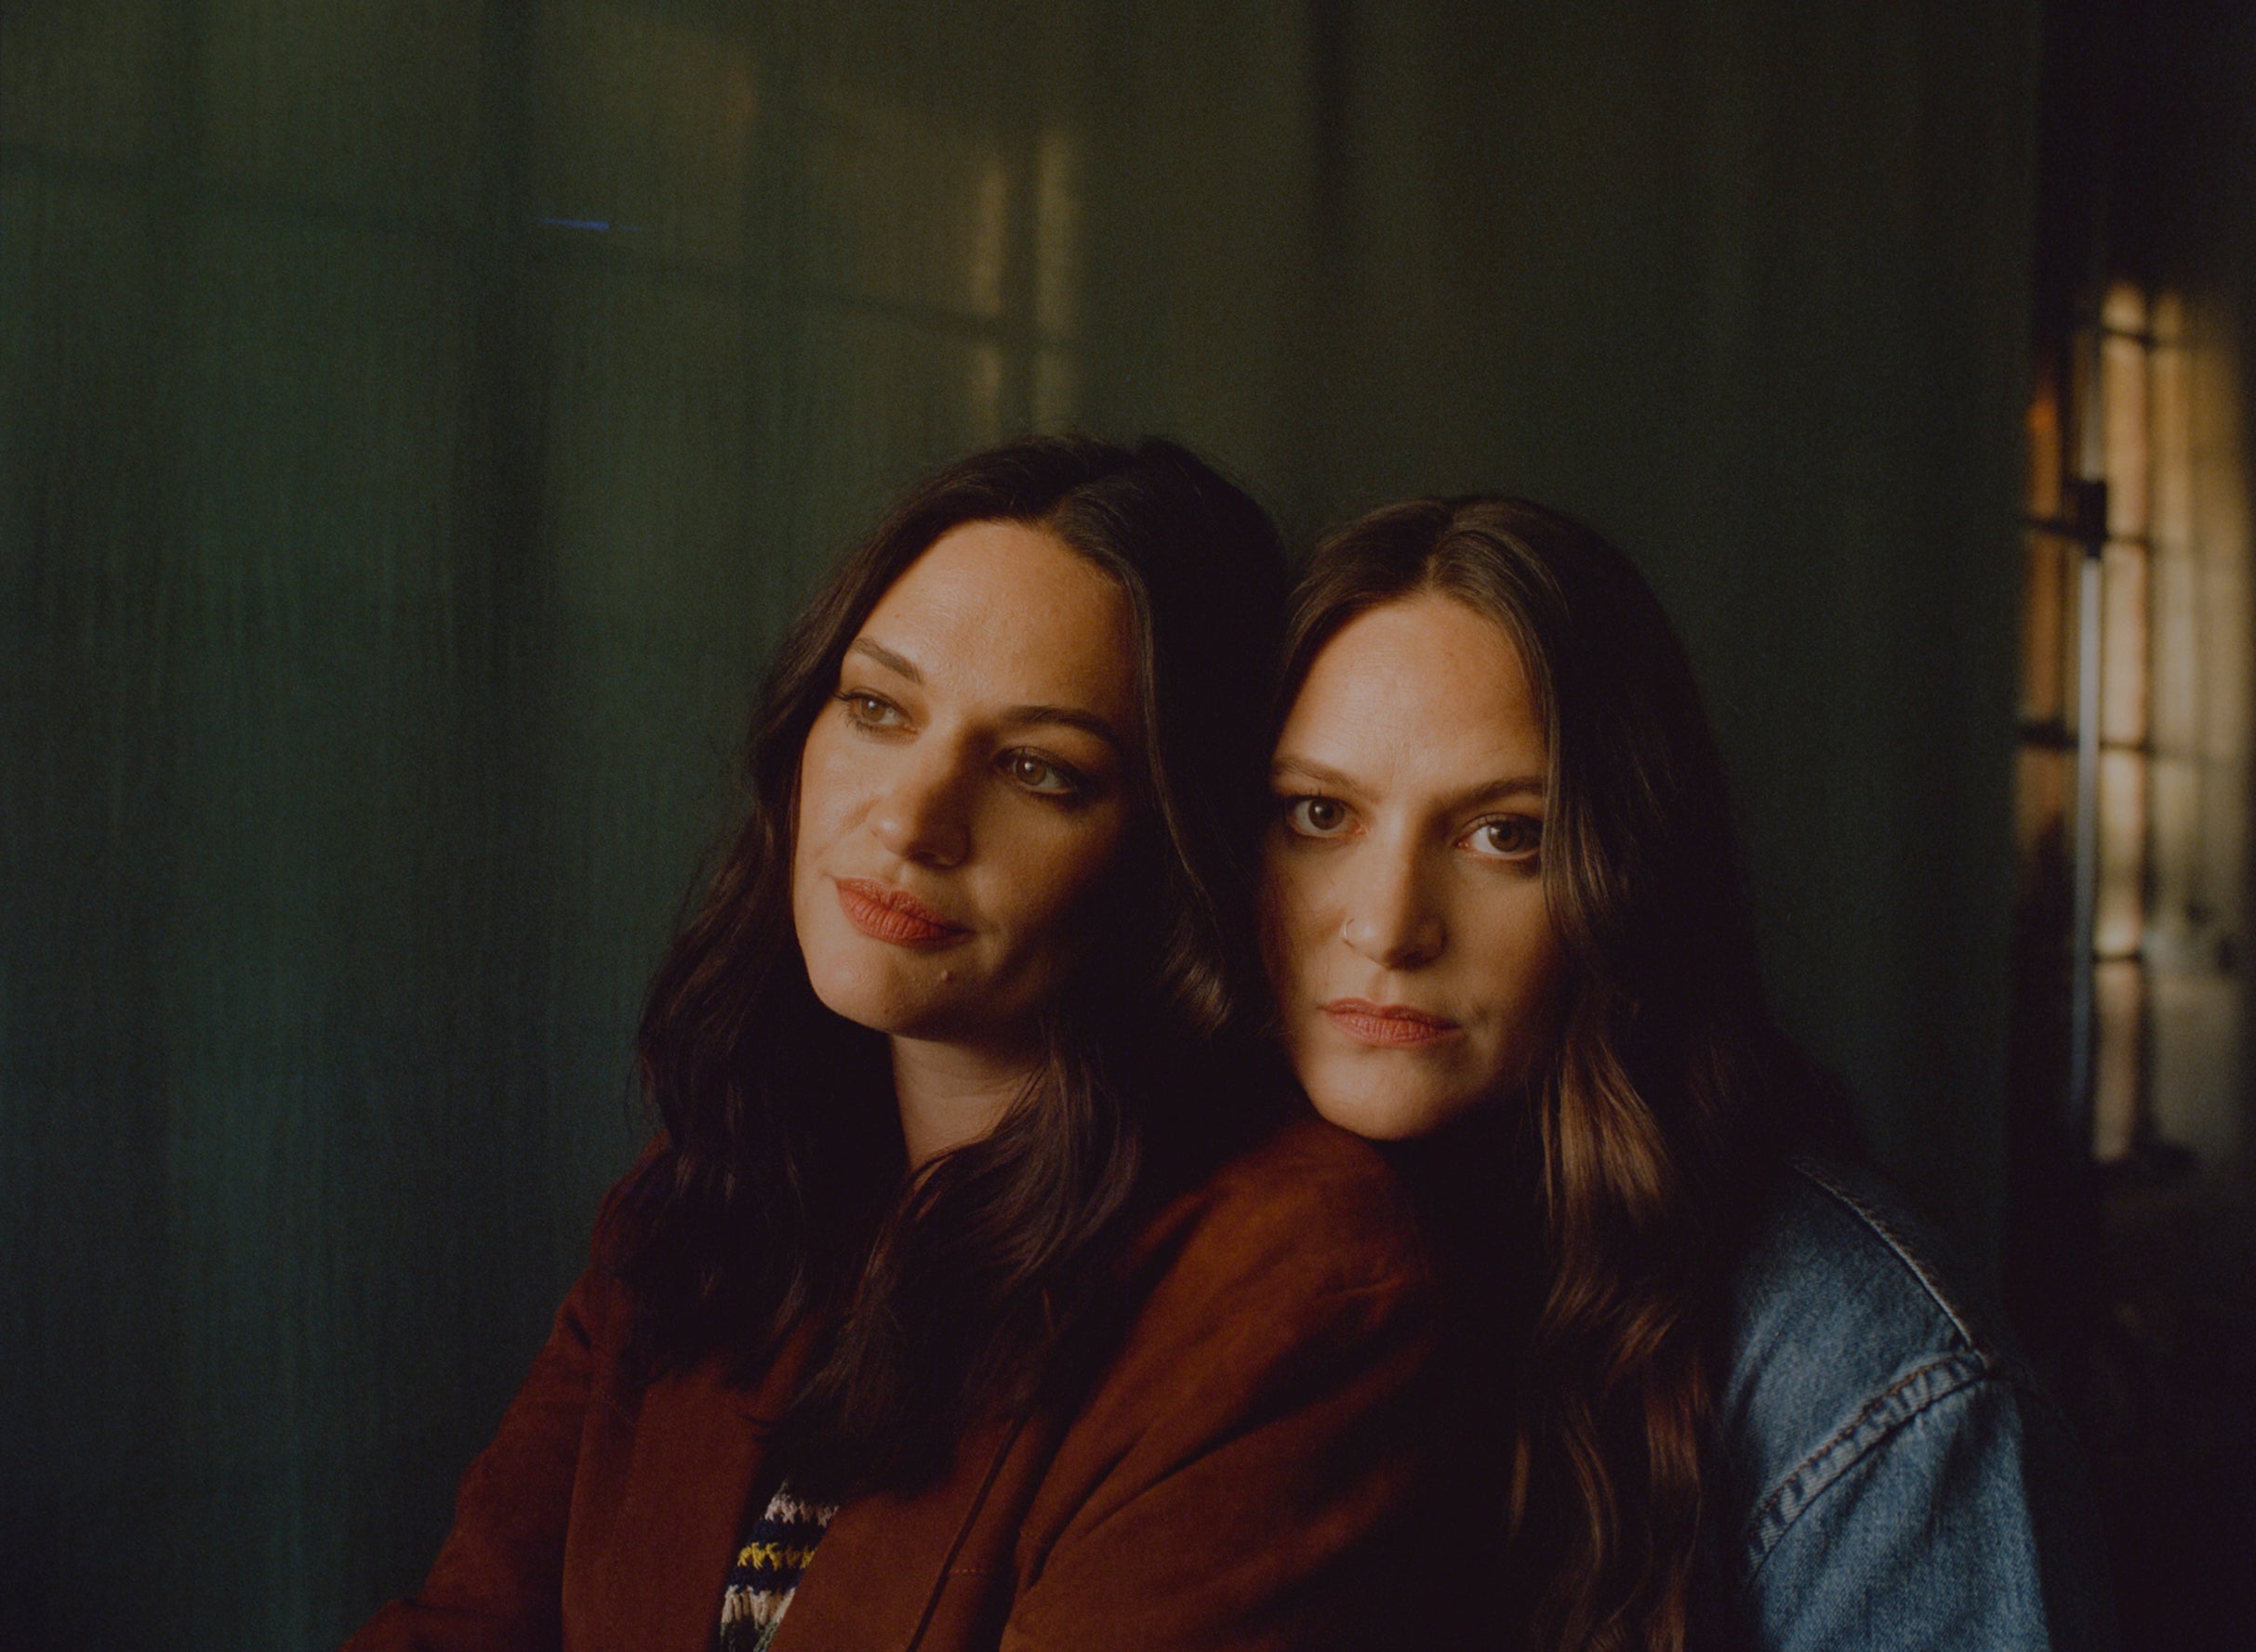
<point>1239,1476</point>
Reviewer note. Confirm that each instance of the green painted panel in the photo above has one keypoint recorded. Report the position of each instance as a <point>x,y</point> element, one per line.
<point>418,419</point>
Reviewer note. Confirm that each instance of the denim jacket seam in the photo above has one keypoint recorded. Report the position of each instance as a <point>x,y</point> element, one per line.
<point>1902,1247</point>
<point>1880,1420</point>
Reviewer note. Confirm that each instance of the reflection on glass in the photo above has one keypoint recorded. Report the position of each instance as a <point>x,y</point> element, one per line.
<point>906,207</point>
<point>954,226</point>
<point>987,252</point>
<point>1056,229</point>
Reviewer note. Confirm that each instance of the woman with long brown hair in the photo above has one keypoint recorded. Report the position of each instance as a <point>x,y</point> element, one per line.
<point>1715,1390</point>
<point>975,1289</point>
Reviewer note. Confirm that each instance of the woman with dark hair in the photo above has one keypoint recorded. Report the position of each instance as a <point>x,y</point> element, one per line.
<point>975,1291</point>
<point>1715,1390</point>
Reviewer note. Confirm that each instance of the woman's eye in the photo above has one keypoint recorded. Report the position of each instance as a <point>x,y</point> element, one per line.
<point>1031,771</point>
<point>1510,838</point>
<point>1316,817</point>
<point>872,711</point>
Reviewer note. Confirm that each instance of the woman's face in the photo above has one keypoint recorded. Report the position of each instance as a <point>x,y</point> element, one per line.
<point>965,788</point>
<point>1414,962</point>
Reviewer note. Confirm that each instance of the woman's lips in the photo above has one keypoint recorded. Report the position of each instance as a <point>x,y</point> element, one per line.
<point>888,914</point>
<point>1393,1026</point>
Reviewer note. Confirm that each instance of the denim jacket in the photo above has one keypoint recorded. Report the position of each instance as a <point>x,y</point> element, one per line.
<point>1888,1474</point>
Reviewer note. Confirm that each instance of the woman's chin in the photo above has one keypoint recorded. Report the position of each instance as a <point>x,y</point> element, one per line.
<point>881,1000</point>
<point>1379,1113</point>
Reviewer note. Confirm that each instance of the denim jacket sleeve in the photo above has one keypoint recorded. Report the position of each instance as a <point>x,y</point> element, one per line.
<point>1892,1476</point>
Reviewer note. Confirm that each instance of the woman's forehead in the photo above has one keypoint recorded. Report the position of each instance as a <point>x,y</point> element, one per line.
<point>1004,613</point>
<point>1423,683</point>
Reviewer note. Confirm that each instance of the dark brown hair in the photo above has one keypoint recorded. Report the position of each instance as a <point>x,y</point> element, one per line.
<point>1667,1099</point>
<point>778,1187</point>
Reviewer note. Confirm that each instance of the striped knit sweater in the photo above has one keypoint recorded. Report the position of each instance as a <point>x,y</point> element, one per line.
<point>775,1553</point>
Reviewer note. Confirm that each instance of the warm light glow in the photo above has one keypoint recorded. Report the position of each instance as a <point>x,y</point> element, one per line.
<point>2040,803</point>
<point>2124,434</point>
<point>2172,430</point>
<point>2045,600</point>
<point>2119,991</point>
<point>2122,888</point>
<point>989,220</point>
<point>2175,796</point>
<point>2162,427</point>
<point>2043,433</point>
<point>2124,309</point>
<point>2123,642</point>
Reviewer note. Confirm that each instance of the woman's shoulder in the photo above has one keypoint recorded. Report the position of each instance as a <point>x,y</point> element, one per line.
<point>1837,1245</point>
<point>1846,1320</point>
<point>1244,1467</point>
<point>1887,1471</point>
<point>1305,1210</point>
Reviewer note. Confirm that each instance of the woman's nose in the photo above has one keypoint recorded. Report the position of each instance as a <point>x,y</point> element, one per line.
<point>1390,919</point>
<point>926,815</point>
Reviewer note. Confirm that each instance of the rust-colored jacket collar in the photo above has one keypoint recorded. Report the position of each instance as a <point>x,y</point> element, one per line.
<point>1237,1478</point>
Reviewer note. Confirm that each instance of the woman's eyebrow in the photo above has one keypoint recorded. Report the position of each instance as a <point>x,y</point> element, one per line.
<point>1495,791</point>
<point>1302,768</point>
<point>898,663</point>
<point>1071,717</point>
<point>1287,766</point>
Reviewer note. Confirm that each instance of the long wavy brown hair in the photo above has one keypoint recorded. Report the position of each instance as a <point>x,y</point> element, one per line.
<point>1668,1098</point>
<point>778,1190</point>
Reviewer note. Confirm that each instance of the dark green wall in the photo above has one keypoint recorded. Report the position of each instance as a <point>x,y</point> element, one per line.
<point>386,552</point>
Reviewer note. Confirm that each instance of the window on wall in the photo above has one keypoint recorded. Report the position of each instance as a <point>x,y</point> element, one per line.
<point>2124,396</point>
<point>2134,723</point>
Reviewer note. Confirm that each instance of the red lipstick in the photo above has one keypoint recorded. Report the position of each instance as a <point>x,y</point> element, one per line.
<point>885,913</point>
<point>1390,1026</point>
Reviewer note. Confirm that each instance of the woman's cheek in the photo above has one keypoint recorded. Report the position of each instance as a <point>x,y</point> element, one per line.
<point>1043,874</point>
<point>1294,926</point>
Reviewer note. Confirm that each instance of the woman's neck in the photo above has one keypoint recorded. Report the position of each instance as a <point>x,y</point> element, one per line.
<point>950,1094</point>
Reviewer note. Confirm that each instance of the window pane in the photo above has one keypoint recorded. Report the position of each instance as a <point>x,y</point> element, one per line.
<point>2123,416</point>
<point>2123,692</point>
<point>2119,994</point>
<point>2122,891</point>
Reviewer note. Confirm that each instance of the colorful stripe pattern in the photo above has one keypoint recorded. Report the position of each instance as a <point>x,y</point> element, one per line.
<point>775,1552</point>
